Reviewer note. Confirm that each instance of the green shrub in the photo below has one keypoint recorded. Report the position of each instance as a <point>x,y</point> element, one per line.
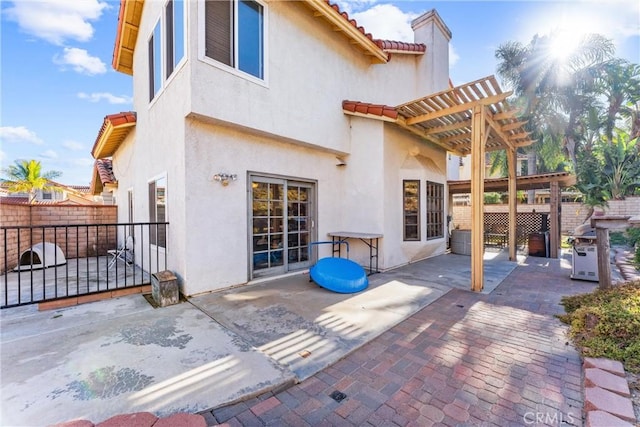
<point>617,238</point>
<point>492,198</point>
<point>606,323</point>
<point>633,236</point>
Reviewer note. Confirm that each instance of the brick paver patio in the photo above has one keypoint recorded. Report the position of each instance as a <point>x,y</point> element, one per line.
<point>467,359</point>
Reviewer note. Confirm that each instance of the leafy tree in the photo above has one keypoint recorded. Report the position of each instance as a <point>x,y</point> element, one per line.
<point>26,176</point>
<point>556,92</point>
<point>618,81</point>
<point>610,171</point>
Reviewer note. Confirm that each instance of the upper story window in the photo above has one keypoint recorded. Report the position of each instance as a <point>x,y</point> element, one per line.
<point>155,62</point>
<point>234,34</point>
<point>174,18</point>
<point>166,45</point>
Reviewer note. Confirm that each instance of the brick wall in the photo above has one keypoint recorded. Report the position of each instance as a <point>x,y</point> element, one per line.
<point>573,214</point>
<point>75,241</point>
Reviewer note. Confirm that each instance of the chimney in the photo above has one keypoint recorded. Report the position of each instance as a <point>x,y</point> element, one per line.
<point>433,68</point>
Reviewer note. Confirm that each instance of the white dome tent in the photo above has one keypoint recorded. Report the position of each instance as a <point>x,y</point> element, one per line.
<point>41,255</point>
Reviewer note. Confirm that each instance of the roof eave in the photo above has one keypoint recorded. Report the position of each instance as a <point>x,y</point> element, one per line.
<point>340,23</point>
<point>128,25</point>
<point>115,129</point>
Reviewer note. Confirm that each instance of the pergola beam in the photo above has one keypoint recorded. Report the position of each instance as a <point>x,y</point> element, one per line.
<point>458,108</point>
<point>498,130</point>
<point>448,128</point>
<point>402,123</point>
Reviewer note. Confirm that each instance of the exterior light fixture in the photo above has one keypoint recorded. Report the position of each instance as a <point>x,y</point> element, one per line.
<point>224,178</point>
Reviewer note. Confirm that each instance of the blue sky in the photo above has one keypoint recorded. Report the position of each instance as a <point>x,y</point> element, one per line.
<point>57,83</point>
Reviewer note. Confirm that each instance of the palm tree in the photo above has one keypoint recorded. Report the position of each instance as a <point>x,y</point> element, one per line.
<point>26,176</point>
<point>556,92</point>
<point>619,82</point>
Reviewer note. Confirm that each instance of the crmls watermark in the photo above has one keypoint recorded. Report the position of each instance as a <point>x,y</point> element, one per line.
<point>548,418</point>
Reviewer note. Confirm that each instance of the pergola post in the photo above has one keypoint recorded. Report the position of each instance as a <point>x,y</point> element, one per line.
<point>554,228</point>
<point>513,194</point>
<point>477,197</point>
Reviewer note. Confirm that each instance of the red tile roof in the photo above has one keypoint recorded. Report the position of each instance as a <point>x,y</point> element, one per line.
<point>102,175</point>
<point>105,171</point>
<point>382,44</point>
<point>366,108</point>
<point>401,46</point>
<point>11,200</point>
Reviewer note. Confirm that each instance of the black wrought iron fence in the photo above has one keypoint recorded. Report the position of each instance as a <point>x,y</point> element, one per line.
<point>49,262</point>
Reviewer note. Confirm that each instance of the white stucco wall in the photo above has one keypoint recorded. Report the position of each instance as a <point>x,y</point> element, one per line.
<point>408,158</point>
<point>208,119</point>
<point>216,215</point>
<point>310,70</point>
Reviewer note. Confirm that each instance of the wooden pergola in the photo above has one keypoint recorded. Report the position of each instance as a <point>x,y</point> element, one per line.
<point>554,182</point>
<point>470,119</point>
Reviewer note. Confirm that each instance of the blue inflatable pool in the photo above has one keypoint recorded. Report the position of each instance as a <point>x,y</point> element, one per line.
<point>339,275</point>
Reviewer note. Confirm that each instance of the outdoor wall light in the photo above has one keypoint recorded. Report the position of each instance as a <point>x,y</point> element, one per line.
<point>224,178</point>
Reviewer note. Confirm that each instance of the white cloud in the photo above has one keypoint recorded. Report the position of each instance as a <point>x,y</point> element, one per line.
<point>49,154</point>
<point>453,56</point>
<point>19,134</point>
<point>3,156</point>
<point>350,6</point>
<point>73,145</point>
<point>82,162</point>
<point>110,98</point>
<point>81,61</point>
<point>387,22</point>
<point>57,20</point>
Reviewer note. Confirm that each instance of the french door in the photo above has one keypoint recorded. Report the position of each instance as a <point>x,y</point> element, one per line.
<point>282,220</point>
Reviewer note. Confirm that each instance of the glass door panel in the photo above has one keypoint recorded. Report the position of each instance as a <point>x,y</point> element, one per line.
<point>281,224</point>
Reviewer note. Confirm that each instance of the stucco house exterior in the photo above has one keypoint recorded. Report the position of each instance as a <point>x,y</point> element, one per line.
<point>245,141</point>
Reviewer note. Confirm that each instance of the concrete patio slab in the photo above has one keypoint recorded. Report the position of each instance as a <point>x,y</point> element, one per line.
<point>306,328</point>
<point>117,356</point>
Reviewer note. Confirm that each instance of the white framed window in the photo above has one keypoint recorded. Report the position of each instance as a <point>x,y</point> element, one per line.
<point>155,61</point>
<point>234,35</point>
<point>435,210</point>
<point>411,210</point>
<point>166,45</point>
<point>158,211</point>
<point>175,36</point>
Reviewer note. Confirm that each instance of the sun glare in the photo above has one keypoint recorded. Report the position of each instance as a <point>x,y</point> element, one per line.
<point>564,43</point>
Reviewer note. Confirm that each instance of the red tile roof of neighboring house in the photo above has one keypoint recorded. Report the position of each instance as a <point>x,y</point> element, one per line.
<point>84,189</point>
<point>366,108</point>
<point>14,200</point>
<point>11,200</point>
